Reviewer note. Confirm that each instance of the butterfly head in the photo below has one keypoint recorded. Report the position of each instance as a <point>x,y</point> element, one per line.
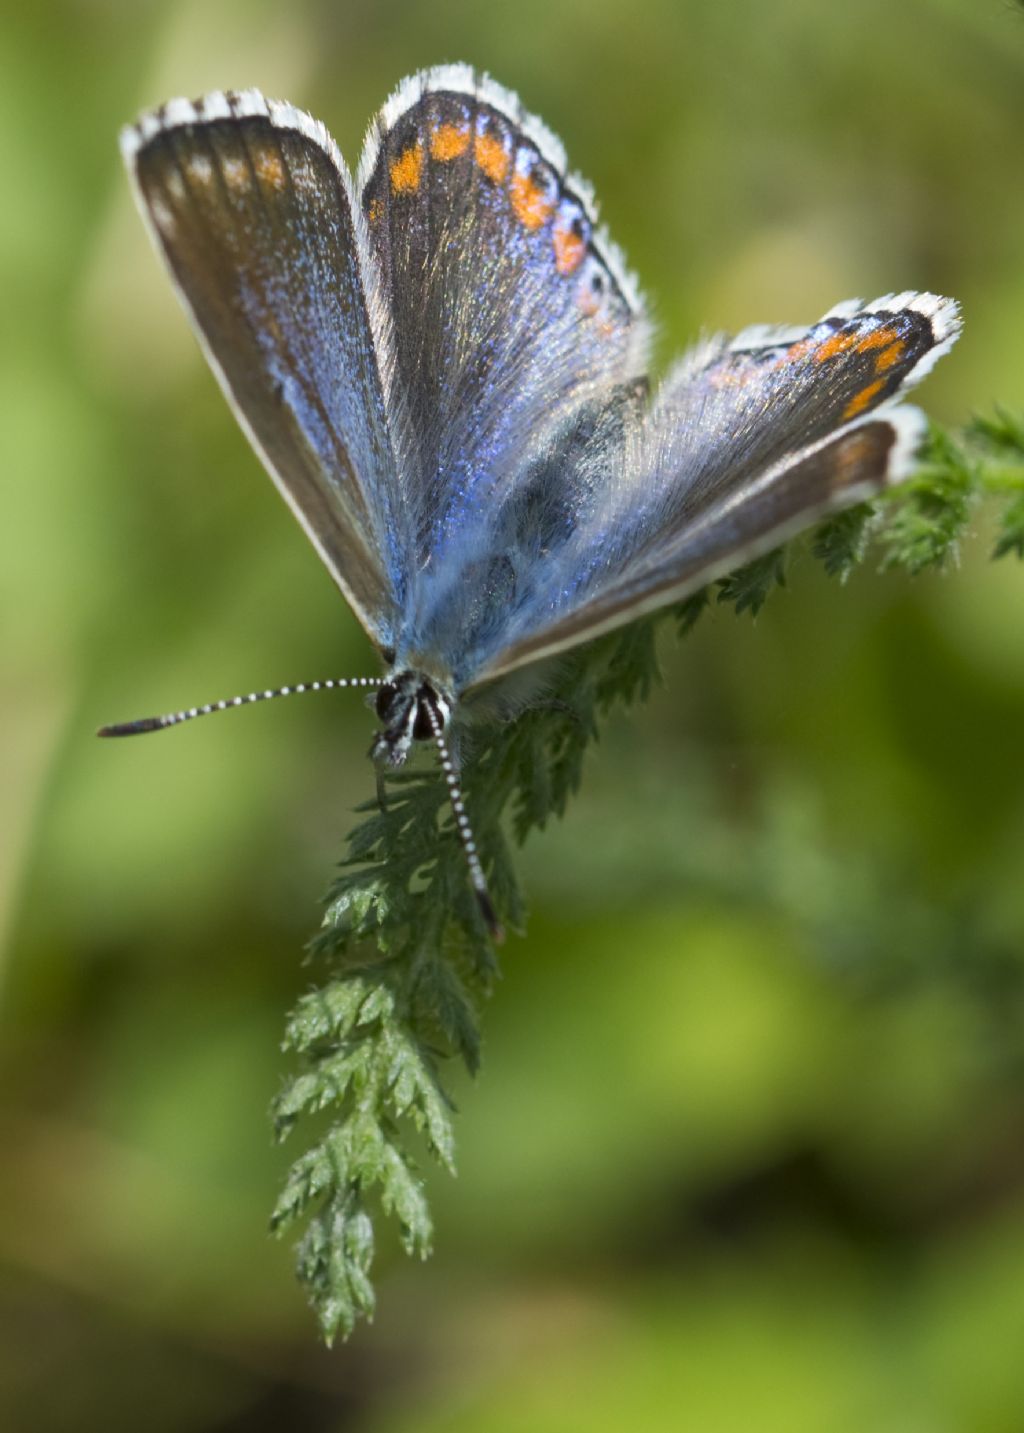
<point>411,708</point>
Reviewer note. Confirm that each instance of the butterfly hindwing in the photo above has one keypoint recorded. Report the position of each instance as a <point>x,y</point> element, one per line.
<point>251,207</point>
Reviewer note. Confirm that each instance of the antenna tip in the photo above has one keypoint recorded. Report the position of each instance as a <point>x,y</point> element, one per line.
<point>490,915</point>
<point>132,728</point>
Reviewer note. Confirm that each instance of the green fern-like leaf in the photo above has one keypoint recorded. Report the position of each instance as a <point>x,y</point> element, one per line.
<point>748,587</point>
<point>406,964</point>
<point>1011,537</point>
<point>840,543</point>
<point>999,444</point>
<point>930,512</point>
<point>689,612</point>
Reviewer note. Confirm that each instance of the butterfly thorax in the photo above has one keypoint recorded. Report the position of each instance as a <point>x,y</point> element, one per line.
<point>411,708</point>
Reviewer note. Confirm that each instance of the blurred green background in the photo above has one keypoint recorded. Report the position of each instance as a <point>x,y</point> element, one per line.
<point>748,1147</point>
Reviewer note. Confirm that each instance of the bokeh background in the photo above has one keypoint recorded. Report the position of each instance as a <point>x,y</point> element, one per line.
<point>748,1147</point>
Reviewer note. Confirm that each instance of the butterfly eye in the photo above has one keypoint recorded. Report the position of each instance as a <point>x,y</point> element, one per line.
<point>387,702</point>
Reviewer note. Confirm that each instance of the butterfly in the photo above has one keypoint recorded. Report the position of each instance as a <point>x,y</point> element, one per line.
<point>442,363</point>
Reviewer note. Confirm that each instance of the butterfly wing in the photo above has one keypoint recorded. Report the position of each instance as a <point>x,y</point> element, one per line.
<point>251,207</point>
<point>510,317</point>
<point>747,443</point>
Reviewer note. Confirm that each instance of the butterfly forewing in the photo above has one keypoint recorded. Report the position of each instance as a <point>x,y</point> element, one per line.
<point>509,316</point>
<point>250,206</point>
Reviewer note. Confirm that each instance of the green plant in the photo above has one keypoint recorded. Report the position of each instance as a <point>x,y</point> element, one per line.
<point>408,963</point>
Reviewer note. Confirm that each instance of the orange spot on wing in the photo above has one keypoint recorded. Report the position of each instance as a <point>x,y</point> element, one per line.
<point>860,400</point>
<point>492,157</point>
<point>449,141</point>
<point>890,355</point>
<point>375,210</point>
<point>885,342</point>
<point>530,203</point>
<point>407,170</point>
<point>569,250</point>
<point>270,169</point>
<point>834,346</point>
<point>877,338</point>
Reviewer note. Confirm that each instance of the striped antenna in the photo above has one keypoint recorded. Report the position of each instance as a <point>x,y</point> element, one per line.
<point>465,832</point>
<point>158,723</point>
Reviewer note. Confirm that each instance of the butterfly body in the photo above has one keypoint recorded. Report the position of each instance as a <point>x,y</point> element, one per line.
<point>443,366</point>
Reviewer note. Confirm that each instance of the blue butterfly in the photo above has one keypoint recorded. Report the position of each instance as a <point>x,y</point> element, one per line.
<point>442,365</point>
